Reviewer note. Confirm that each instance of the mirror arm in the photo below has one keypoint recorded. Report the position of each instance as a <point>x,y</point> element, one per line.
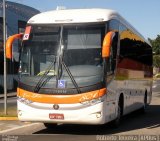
<point>107,42</point>
<point>9,43</point>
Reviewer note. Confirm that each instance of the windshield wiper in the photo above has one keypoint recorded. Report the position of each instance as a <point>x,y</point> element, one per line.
<point>42,82</point>
<point>70,75</point>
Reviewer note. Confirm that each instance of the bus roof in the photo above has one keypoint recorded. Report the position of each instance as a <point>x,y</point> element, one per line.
<point>70,16</point>
<point>74,16</point>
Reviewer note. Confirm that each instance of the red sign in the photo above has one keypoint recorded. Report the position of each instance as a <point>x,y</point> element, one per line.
<point>27,33</point>
<point>56,116</point>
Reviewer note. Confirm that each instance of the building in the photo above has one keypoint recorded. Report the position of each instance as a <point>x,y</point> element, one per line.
<point>17,16</point>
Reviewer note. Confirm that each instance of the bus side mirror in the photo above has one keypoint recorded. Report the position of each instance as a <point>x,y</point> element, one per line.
<point>9,43</point>
<point>107,43</point>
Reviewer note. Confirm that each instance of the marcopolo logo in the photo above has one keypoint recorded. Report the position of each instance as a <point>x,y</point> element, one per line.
<point>61,83</point>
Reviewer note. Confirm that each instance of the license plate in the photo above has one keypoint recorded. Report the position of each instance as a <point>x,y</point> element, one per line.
<point>56,116</point>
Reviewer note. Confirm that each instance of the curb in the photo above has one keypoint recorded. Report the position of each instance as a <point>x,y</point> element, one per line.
<point>8,118</point>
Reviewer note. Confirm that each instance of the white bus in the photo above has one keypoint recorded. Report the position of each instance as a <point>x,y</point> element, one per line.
<point>81,66</point>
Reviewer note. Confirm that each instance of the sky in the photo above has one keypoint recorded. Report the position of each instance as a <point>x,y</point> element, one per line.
<point>144,15</point>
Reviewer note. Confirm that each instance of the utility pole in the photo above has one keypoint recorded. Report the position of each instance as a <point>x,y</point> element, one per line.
<point>4,48</point>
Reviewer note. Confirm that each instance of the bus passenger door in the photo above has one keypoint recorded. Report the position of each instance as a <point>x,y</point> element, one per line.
<point>110,62</point>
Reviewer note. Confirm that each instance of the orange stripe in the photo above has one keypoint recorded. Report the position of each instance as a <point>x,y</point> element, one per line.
<point>61,99</point>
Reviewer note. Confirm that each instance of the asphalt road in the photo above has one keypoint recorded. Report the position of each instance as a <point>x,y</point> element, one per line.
<point>134,123</point>
<point>133,126</point>
<point>156,85</point>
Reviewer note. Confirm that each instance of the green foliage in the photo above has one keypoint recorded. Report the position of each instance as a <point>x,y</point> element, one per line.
<point>156,50</point>
<point>156,45</point>
<point>156,61</point>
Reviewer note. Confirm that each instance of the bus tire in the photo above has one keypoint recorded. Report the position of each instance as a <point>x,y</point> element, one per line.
<point>143,109</point>
<point>117,121</point>
<point>50,125</point>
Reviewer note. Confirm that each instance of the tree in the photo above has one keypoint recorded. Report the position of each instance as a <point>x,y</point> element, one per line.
<point>156,61</point>
<point>156,50</point>
<point>156,45</point>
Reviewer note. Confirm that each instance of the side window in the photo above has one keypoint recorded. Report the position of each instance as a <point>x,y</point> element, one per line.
<point>1,44</point>
<point>124,41</point>
<point>135,54</point>
<point>133,48</point>
<point>111,62</point>
<point>113,25</point>
<point>21,26</point>
<point>1,34</point>
<point>113,56</point>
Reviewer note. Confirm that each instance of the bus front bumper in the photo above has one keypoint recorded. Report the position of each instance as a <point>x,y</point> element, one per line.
<point>67,113</point>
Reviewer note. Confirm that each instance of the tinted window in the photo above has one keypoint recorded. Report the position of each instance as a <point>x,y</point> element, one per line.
<point>135,49</point>
<point>113,25</point>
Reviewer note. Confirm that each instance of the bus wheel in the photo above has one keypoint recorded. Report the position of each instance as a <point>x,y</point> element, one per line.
<point>117,121</point>
<point>143,109</point>
<point>50,125</point>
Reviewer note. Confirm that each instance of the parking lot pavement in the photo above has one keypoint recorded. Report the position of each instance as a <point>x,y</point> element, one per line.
<point>6,125</point>
<point>145,124</point>
<point>10,127</point>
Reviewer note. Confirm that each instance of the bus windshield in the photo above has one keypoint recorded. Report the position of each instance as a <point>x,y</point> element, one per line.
<point>82,45</point>
<point>40,50</point>
<point>78,45</point>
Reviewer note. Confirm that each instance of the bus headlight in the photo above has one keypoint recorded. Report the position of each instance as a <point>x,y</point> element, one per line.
<point>99,114</point>
<point>19,112</point>
<point>23,100</point>
<point>93,101</point>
